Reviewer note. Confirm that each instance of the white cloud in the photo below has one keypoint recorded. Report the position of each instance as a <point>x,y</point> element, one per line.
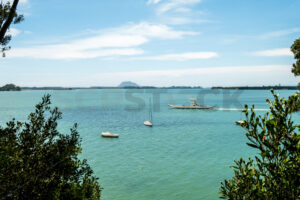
<point>236,38</point>
<point>197,76</point>
<point>184,20</point>
<point>151,30</point>
<point>178,12</point>
<point>104,41</point>
<point>55,52</point>
<point>120,41</point>
<point>280,33</point>
<point>13,32</point>
<point>154,31</point>
<point>206,77</point>
<point>274,52</point>
<point>84,48</point>
<point>153,1</point>
<point>181,57</point>
<point>174,4</point>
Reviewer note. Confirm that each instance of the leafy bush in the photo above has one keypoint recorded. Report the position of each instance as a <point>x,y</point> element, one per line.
<point>275,172</point>
<point>38,162</point>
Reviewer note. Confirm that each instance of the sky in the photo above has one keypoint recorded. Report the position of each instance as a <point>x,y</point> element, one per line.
<point>205,43</point>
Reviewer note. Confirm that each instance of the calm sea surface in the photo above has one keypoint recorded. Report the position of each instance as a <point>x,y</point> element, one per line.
<point>184,156</point>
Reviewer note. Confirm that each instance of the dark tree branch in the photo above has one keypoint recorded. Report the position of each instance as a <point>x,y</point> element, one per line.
<point>9,20</point>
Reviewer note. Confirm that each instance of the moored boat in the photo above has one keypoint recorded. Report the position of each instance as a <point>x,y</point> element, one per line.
<point>193,105</point>
<point>149,122</point>
<point>109,135</point>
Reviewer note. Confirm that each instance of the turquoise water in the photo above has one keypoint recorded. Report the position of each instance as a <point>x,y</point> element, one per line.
<point>184,155</point>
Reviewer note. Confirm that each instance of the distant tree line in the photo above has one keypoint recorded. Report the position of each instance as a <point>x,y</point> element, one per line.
<point>257,88</point>
<point>108,87</point>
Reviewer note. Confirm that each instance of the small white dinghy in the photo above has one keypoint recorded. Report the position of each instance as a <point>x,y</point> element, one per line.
<point>147,123</point>
<point>109,135</point>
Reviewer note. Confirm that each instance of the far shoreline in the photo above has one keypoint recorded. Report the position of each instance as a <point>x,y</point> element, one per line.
<point>12,87</point>
<point>172,87</point>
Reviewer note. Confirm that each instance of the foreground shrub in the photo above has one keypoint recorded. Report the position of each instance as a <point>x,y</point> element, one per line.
<point>274,173</point>
<point>38,162</point>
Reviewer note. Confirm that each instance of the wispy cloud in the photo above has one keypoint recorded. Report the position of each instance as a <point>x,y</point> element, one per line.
<point>122,41</point>
<point>177,12</point>
<point>280,33</point>
<point>264,36</point>
<point>274,52</point>
<point>85,48</point>
<point>181,56</point>
<point>64,52</point>
<point>160,31</point>
<point>205,76</point>
<point>175,4</point>
<point>153,1</point>
<point>184,20</point>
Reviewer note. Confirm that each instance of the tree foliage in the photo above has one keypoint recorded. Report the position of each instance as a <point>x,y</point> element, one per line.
<point>274,172</point>
<point>8,15</point>
<point>38,162</point>
<point>295,48</point>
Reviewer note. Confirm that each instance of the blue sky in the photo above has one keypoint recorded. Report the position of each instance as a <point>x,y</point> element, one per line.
<point>153,42</point>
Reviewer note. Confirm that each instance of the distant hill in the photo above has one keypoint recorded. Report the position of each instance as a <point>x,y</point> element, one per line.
<point>10,87</point>
<point>128,84</point>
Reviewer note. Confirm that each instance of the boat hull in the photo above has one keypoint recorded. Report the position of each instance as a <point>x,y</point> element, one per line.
<point>189,107</point>
<point>148,123</point>
<point>109,135</point>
